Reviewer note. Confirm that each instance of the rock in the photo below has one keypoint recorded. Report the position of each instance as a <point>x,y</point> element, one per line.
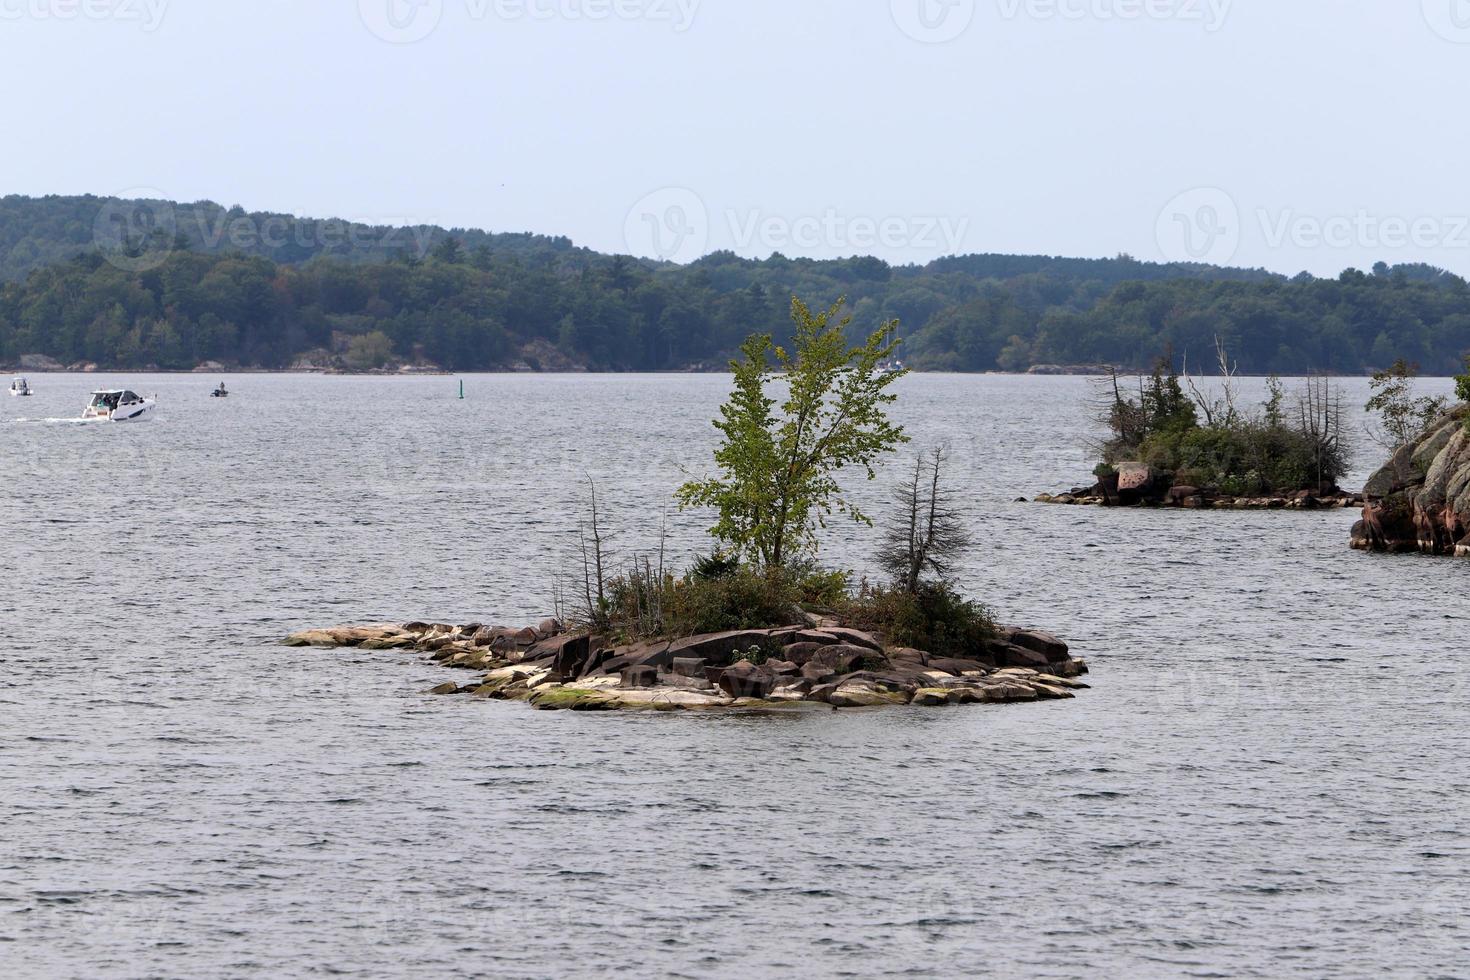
<point>908,655</point>
<point>581,673</point>
<point>314,638</point>
<point>745,680</point>
<point>1420,499</point>
<point>640,677</point>
<point>555,697</point>
<point>863,695</point>
<point>1005,692</point>
<point>1136,481</point>
<point>1010,655</point>
<point>652,654</point>
<point>390,643</point>
<point>855,638</point>
<point>690,666</point>
<point>720,648</point>
<point>545,651</point>
<point>1044,643</point>
<point>40,362</point>
<point>571,655</point>
<point>664,699</point>
<point>817,673</point>
<point>800,653</point>
<point>595,662</point>
<point>548,627</point>
<point>345,636</point>
<point>935,696</point>
<point>699,683</point>
<point>951,665</point>
<point>844,659</point>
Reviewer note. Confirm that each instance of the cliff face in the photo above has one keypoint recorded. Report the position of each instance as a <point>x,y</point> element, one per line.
<point>1421,499</point>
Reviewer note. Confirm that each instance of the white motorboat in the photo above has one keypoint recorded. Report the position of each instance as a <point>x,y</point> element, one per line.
<point>20,387</point>
<point>119,405</point>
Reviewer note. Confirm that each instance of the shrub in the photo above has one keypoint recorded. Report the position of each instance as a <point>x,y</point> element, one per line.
<point>747,599</point>
<point>754,656</point>
<point>1272,450</point>
<point>714,596</point>
<point>713,566</point>
<point>934,618</point>
<point>818,587</point>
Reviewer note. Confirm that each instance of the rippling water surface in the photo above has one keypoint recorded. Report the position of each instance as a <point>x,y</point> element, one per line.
<point>1270,777</point>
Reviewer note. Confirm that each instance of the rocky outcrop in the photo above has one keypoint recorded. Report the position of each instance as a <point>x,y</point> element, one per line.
<point>1420,500</point>
<point>826,665</point>
<point>1140,485</point>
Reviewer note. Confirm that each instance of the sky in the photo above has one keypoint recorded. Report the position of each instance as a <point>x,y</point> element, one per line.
<point>1290,134</point>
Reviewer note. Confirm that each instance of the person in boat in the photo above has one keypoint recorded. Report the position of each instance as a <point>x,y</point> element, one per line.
<point>221,389</point>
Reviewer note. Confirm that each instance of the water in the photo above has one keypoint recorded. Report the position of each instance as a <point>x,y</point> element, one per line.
<point>1268,779</point>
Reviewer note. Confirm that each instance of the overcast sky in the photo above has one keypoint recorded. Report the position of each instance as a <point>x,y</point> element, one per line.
<point>1309,134</point>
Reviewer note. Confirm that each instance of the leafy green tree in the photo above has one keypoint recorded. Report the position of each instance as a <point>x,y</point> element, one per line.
<point>1402,416</point>
<point>779,466</point>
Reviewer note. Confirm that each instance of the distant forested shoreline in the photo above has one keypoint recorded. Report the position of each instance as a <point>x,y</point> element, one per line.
<point>157,284</point>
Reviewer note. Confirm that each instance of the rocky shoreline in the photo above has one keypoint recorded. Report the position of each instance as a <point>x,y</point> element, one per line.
<point>1140,485</point>
<point>823,664</point>
<point>1420,500</point>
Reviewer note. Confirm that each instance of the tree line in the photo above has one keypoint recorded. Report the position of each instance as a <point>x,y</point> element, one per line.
<point>83,279</point>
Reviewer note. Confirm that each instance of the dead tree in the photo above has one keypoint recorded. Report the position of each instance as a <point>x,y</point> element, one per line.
<point>926,536</point>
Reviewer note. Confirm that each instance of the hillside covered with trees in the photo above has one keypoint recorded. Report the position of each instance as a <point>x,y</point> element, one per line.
<point>139,284</point>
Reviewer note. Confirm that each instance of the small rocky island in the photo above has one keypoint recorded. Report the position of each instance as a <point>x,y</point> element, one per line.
<point>820,664</point>
<point>759,623</point>
<point>1168,448</point>
<point>1136,484</point>
<point>1420,500</point>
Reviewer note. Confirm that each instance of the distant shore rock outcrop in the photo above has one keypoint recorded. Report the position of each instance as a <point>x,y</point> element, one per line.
<point>822,664</point>
<point>1074,370</point>
<point>1420,501</point>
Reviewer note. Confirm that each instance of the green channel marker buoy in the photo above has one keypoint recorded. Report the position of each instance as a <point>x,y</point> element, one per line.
<point>461,389</point>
